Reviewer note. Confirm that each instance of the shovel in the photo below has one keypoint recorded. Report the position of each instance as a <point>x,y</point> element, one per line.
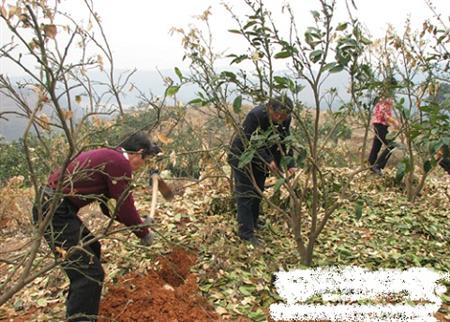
<point>158,184</point>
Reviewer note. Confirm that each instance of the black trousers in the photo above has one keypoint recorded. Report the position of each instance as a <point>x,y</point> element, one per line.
<point>82,264</point>
<point>445,164</point>
<point>378,140</point>
<point>247,197</point>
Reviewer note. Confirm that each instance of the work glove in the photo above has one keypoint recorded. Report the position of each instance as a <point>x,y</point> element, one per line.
<point>147,240</point>
<point>148,221</point>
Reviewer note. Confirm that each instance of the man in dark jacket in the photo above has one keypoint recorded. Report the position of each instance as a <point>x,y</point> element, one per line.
<point>249,180</point>
<point>443,156</point>
<point>95,175</point>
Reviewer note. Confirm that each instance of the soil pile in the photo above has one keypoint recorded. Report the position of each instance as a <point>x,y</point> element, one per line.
<point>170,294</point>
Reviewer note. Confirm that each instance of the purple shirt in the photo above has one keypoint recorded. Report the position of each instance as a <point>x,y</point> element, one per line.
<point>101,173</point>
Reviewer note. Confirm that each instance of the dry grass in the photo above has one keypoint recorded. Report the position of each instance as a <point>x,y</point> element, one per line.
<point>15,203</point>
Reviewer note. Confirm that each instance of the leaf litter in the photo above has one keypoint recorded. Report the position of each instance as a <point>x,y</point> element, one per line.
<point>220,278</point>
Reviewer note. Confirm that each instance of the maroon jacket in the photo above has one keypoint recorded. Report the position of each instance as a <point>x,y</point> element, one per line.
<point>101,174</point>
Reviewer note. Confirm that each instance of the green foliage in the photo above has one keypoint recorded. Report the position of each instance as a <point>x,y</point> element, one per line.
<point>43,156</point>
<point>172,90</point>
<point>12,160</point>
<point>112,132</point>
<point>433,132</point>
<point>237,103</point>
<point>339,131</point>
<point>359,204</point>
<point>282,54</point>
<point>428,134</point>
<point>279,183</point>
<point>403,167</point>
<point>189,164</point>
<point>259,140</point>
<point>179,74</point>
<point>246,157</point>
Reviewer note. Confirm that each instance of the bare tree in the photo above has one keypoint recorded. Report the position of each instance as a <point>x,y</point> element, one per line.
<point>60,101</point>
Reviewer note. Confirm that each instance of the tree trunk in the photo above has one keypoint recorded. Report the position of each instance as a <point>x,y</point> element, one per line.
<point>307,258</point>
<point>364,147</point>
<point>410,177</point>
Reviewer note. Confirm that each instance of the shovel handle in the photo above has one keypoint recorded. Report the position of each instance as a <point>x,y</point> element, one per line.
<point>154,195</point>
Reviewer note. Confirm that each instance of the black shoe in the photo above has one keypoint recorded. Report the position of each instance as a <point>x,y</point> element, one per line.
<point>259,224</point>
<point>376,169</point>
<point>254,241</point>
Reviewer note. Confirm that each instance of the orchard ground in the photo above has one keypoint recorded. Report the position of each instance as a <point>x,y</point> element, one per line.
<point>198,270</point>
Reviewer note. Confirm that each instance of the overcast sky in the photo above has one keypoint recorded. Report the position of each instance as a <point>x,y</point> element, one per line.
<point>138,30</point>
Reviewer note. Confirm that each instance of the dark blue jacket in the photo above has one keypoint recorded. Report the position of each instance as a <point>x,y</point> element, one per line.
<point>258,119</point>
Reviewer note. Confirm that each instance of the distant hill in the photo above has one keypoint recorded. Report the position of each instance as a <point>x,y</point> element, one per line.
<point>14,126</point>
<point>148,82</point>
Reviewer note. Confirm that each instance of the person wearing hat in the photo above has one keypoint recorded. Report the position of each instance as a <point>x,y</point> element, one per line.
<point>443,158</point>
<point>249,180</point>
<point>95,175</point>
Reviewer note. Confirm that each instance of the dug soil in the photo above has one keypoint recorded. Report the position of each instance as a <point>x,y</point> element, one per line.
<point>168,294</point>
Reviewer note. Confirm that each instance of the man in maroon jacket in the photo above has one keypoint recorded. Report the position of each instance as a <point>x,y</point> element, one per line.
<point>96,175</point>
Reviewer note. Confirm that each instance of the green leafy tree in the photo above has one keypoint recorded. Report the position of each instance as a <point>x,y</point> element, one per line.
<point>419,60</point>
<point>324,48</point>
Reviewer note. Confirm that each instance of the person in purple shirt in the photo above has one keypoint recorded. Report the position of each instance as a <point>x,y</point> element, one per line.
<point>95,175</point>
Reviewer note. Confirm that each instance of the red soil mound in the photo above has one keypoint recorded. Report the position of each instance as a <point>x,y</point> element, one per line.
<point>170,294</point>
<point>176,266</point>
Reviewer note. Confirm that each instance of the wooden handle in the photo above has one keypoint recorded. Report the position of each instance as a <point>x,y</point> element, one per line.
<point>154,195</point>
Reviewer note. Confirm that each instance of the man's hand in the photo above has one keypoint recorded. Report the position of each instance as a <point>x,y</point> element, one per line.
<point>291,171</point>
<point>273,167</point>
<point>148,221</point>
<point>147,240</point>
